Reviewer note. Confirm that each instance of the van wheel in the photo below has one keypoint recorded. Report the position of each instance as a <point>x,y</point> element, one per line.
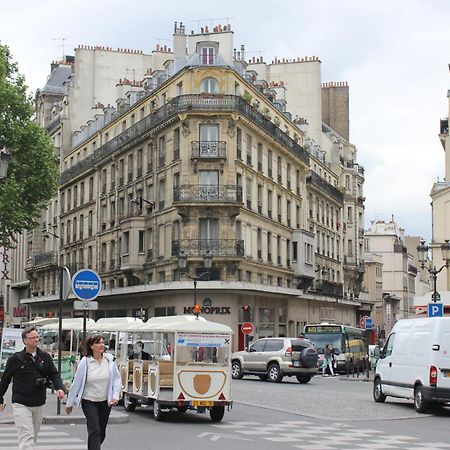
<point>128,403</point>
<point>157,413</point>
<point>303,378</point>
<point>378,395</point>
<point>216,413</point>
<point>274,373</point>
<point>236,370</point>
<point>421,405</point>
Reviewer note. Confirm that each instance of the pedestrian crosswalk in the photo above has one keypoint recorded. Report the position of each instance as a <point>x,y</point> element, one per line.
<point>49,438</point>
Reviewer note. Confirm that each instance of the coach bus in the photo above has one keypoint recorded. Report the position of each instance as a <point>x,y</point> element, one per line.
<point>349,344</point>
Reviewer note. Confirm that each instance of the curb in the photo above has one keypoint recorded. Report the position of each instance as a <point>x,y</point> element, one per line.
<point>114,418</point>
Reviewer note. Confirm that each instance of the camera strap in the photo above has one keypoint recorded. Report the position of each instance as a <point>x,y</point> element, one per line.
<point>34,364</point>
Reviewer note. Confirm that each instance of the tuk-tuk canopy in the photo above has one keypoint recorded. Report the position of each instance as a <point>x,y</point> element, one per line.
<point>183,324</point>
<point>75,324</point>
<point>117,324</point>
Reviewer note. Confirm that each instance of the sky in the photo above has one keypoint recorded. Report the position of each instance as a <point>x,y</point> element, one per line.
<point>393,53</point>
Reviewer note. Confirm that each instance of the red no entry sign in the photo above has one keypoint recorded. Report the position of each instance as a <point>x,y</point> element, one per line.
<point>247,328</point>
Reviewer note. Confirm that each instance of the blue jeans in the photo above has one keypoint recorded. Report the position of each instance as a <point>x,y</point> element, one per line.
<point>97,415</point>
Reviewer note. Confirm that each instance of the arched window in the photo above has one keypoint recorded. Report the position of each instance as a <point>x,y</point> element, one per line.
<point>208,86</point>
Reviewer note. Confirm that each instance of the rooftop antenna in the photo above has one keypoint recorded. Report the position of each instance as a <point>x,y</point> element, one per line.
<point>63,39</point>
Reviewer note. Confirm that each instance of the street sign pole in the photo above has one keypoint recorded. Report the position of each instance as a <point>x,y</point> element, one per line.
<point>60,313</point>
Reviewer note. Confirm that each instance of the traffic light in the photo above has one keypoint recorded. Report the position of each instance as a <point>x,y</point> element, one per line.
<point>246,309</point>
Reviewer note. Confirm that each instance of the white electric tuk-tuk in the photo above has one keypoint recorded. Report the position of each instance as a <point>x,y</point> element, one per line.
<point>188,366</point>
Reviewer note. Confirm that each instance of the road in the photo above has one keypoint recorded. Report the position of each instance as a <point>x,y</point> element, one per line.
<point>326,414</point>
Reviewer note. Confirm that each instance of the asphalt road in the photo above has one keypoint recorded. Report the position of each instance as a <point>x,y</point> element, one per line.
<point>328,413</point>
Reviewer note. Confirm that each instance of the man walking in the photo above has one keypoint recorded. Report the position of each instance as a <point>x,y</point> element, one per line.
<point>31,371</point>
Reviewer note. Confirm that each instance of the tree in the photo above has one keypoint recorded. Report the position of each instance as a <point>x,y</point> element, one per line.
<point>33,171</point>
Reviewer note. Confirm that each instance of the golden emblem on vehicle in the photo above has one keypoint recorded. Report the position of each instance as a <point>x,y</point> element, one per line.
<point>202,383</point>
<point>137,379</point>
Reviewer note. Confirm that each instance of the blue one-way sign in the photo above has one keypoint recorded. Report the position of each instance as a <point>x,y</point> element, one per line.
<point>435,309</point>
<point>86,284</point>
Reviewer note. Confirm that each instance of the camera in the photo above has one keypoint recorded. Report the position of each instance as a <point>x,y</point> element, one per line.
<point>43,382</point>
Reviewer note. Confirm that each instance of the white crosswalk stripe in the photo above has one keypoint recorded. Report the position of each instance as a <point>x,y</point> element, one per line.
<point>49,438</point>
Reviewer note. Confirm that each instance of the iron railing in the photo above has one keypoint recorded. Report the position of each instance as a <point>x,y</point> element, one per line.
<point>214,247</point>
<point>207,193</point>
<point>329,288</point>
<point>209,149</point>
<point>183,103</point>
<point>326,187</point>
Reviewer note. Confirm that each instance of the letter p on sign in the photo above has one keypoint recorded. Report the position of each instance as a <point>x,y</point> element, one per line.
<point>435,309</point>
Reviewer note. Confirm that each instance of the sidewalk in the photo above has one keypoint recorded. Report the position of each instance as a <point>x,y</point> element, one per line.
<point>50,416</point>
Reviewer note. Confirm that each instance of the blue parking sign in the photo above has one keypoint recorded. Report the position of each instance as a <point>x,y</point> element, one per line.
<point>86,284</point>
<point>435,309</point>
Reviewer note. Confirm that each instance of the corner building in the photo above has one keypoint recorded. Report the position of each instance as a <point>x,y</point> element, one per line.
<point>203,163</point>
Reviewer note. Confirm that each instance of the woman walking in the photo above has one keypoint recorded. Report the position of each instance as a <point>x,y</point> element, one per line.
<point>96,387</point>
<point>328,360</point>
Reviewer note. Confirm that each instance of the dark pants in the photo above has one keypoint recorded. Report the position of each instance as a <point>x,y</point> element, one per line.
<point>97,415</point>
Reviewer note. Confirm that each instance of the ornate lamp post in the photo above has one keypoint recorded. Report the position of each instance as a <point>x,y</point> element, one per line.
<point>182,264</point>
<point>422,251</point>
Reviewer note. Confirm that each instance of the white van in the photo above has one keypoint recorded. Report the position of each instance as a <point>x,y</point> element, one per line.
<point>415,363</point>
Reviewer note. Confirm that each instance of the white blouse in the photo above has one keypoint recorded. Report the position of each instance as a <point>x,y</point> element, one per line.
<point>96,387</point>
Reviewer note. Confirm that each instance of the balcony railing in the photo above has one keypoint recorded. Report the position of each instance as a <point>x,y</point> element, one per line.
<point>207,193</point>
<point>47,258</point>
<point>329,288</point>
<point>215,247</point>
<point>209,149</point>
<point>323,185</point>
<point>183,103</point>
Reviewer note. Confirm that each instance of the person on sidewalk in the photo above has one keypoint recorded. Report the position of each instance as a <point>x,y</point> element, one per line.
<point>31,371</point>
<point>328,360</point>
<point>96,386</point>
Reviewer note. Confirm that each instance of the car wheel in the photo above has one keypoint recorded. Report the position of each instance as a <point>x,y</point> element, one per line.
<point>236,370</point>
<point>421,405</point>
<point>263,377</point>
<point>157,413</point>
<point>309,357</point>
<point>304,378</point>
<point>216,413</point>
<point>378,395</point>
<point>274,373</point>
<point>128,403</point>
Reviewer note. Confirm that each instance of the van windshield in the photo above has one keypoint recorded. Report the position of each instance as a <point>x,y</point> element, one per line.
<point>204,348</point>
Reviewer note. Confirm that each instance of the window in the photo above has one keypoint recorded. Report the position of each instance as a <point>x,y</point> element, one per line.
<point>150,158</point>
<point>209,86</point>
<point>249,150</point>
<point>141,241</point>
<point>208,184</point>
<point>260,156</point>
<point>139,162</point>
<point>260,200</point>
<point>208,234</point>
<point>274,345</point>
<point>258,346</point>
<point>82,226</point>
<point>207,55</point>
<point>269,163</point>
<point>238,143</point>
<point>121,171</point>
<point>269,204</point>
<point>162,188</point>
<point>162,151</point>
<point>350,248</point>
<point>209,140</point>
<point>130,167</point>
<point>176,143</point>
<point>113,176</point>
<point>249,193</point>
<point>126,243</point>
<point>180,88</point>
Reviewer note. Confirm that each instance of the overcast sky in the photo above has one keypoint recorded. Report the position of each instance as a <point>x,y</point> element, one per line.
<point>393,53</point>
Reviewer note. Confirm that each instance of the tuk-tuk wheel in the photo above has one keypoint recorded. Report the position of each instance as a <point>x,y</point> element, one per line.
<point>157,413</point>
<point>128,403</point>
<point>216,413</point>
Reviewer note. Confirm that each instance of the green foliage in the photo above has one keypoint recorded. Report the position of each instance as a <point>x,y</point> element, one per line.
<point>33,171</point>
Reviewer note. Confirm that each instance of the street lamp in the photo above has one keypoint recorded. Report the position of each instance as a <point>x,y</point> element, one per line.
<point>5,158</point>
<point>422,252</point>
<point>182,264</point>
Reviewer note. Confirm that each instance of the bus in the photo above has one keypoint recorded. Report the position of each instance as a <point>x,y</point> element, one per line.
<point>348,342</point>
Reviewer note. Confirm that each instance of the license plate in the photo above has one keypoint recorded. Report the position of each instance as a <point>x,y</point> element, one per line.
<point>202,403</point>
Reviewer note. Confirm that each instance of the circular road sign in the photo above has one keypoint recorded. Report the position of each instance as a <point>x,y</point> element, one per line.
<point>247,328</point>
<point>86,284</point>
<point>362,321</point>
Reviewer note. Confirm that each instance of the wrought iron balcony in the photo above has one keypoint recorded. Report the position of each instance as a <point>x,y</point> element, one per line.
<point>209,149</point>
<point>45,259</point>
<point>316,180</point>
<point>215,247</point>
<point>184,103</point>
<point>207,193</point>
<point>329,288</point>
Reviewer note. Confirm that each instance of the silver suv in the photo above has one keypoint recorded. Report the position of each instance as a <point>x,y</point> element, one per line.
<point>273,358</point>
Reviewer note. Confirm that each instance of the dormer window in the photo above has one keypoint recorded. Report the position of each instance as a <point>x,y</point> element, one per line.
<point>208,86</point>
<point>208,55</point>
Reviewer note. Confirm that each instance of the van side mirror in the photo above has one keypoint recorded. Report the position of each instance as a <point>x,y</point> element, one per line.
<point>376,351</point>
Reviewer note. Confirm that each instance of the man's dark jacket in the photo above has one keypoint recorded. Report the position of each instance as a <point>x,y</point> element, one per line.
<point>24,371</point>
